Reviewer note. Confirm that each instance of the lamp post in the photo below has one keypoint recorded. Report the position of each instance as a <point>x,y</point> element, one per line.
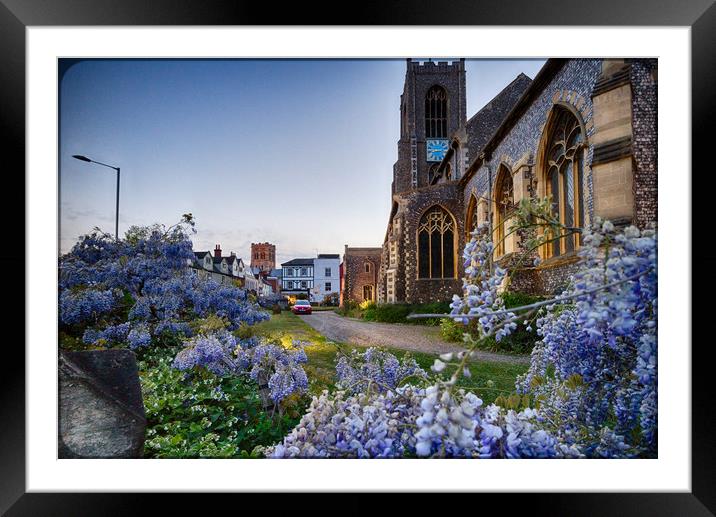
<point>116,217</point>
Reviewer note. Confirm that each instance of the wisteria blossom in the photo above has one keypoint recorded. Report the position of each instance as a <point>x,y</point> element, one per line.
<point>592,377</point>
<point>375,369</point>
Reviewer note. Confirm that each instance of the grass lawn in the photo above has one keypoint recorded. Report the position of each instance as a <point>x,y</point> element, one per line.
<point>488,380</point>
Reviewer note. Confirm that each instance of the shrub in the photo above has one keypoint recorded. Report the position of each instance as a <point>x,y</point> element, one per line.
<point>387,313</point>
<point>451,330</point>
<point>399,312</point>
<point>195,415</point>
<point>375,369</point>
<point>349,309</point>
<point>139,291</point>
<point>276,309</point>
<point>331,300</point>
<point>522,340</point>
<point>366,304</point>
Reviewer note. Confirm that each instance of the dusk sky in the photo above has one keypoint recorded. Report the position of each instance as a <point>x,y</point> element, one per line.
<point>295,152</point>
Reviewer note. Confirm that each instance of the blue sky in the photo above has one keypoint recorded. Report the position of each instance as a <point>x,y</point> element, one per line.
<point>295,152</point>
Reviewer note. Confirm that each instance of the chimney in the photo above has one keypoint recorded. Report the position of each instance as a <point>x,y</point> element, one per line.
<point>217,251</point>
<point>233,254</point>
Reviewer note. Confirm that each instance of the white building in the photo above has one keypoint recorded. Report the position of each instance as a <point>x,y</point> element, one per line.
<point>252,283</point>
<point>297,276</point>
<point>326,276</point>
<point>315,277</point>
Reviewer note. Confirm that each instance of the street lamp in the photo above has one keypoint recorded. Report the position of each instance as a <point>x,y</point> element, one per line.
<point>116,217</point>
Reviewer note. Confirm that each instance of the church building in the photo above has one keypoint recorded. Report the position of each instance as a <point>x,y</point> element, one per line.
<point>583,131</point>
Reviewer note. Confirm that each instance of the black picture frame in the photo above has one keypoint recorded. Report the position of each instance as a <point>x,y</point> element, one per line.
<point>17,15</point>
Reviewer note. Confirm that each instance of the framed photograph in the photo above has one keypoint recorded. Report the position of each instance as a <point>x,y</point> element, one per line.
<point>400,246</point>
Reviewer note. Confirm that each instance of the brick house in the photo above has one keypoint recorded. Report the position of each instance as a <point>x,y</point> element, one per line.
<point>361,273</point>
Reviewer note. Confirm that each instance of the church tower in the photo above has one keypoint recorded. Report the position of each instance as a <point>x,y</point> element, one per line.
<point>432,108</point>
<point>421,265</point>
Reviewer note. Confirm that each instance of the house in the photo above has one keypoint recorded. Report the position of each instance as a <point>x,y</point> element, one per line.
<point>297,277</point>
<point>202,263</point>
<point>252,282</point>
<point>327,277</point>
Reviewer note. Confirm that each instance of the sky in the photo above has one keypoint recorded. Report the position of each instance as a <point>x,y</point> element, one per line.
<point>298,153</point>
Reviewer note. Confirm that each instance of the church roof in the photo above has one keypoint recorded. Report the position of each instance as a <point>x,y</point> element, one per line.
<point>525,100</point>
<point>483,124</point>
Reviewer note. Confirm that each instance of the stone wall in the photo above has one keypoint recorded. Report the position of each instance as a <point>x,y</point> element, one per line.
<point>101,413</point>
<point>645,138</point>
<point>447,196</point>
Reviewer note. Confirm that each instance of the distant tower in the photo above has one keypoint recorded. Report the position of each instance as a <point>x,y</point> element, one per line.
<point>263,256</point>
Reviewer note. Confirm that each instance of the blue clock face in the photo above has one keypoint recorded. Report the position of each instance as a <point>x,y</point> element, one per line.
<point>436,149</point>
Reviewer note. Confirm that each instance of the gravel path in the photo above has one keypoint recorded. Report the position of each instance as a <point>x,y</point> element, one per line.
<point>407,337</point>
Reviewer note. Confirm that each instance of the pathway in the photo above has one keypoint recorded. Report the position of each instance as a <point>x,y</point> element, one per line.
<point>417,338</point>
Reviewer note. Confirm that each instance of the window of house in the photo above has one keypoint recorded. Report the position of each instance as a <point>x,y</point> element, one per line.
<point>304,284</point>
<point>289,272</point>
<point>367,292</point>
<point>564,175</point>
<point>304,271</point>
<point>328,287</point>
<point>436,114</point>
<point>436,244</point>
<point>367,267</point>
<point>328,272</point>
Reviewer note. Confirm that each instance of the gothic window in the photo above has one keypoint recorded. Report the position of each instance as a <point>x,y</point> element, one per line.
<point>367,292</point>
<point>436,115</point>
<point>504,205</point>
<point>435,176</point>
<point>367,267</point>
<point>436,244</point>
<point>564,174</point>
<point>471,218</point>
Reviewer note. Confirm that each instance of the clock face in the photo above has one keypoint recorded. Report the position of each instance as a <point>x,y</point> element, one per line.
<point>436,149</point>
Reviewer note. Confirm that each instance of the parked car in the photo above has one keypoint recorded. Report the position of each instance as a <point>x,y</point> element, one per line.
<point>301,307</point>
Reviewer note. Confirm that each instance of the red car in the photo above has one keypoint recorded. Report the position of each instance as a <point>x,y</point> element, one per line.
<point>301,307</point>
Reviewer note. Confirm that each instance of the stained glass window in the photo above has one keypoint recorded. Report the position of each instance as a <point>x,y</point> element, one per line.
<point>436,244</point>
<point>471,219</point>
<point>565,177</point>
<point>505,203</point>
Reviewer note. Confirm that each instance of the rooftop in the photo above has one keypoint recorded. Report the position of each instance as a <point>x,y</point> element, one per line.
<point>483,124</point>
<point>299,262</point>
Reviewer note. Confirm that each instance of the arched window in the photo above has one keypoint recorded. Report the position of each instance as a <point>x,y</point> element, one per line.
<point>564,174</point>
<point>471,217</point>
<point>436,244</point>
<point>504,205</point>
<point>366,266</point>
<point>435,176</point>
<point>436,114</point>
